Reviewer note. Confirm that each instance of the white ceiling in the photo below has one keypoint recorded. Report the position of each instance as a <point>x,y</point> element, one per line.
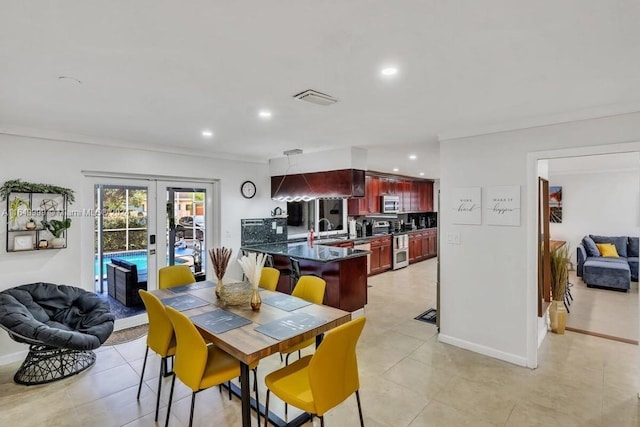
<point>157,72</point>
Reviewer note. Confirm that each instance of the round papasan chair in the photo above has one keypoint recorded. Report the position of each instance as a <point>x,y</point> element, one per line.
<point>61,324</point>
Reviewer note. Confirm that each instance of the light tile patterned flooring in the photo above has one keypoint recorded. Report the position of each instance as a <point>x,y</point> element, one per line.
<point>604,311</point>
<point>407,377</point>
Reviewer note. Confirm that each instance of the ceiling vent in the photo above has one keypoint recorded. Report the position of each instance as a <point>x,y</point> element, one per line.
<point>315,97</point>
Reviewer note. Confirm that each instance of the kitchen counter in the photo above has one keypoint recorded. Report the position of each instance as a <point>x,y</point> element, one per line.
<point>317,252</point>
<point>344,270</point>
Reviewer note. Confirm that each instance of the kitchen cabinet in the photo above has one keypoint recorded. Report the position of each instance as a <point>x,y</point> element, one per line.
<point>415,195</point>
<point>422,196</point>
<point>388,186</point>
<point>423,244</point>
<point>371,202</point>
<point>404,191</point>
<point>381,256</point>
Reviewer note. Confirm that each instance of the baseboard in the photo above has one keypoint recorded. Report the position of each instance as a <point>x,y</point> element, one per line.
<point>18,356</point>
<point>543,328</point>
<point>487,351</point>
<point>130,322</point>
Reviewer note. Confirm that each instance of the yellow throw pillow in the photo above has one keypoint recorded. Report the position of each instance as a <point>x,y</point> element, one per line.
<point>607,250</point>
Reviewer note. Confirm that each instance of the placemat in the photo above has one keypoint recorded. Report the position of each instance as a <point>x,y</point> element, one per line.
<point>192,287</point>
<point>219,321</point>
<point>184,302</point>
<point>289,326</point>
<point>285,302</point>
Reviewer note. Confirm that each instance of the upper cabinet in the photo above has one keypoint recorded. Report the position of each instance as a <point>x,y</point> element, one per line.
<point>415,195</point>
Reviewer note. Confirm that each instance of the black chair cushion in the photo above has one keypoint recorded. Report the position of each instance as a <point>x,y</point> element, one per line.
<point>56,315</point>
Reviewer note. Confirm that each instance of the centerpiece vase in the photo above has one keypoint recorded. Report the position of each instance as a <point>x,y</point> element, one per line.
<point>256,301</point>
<point>219,286</point>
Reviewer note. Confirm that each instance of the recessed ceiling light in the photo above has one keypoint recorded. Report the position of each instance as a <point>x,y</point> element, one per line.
<point>207,133</point>
<point>413,156</point>
<point>396,169</point>
<point>265,114</point>
<point>389,71</point>
<point>421,173</point>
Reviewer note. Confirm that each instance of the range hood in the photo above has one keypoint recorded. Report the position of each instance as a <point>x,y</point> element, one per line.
<point>336,184</point>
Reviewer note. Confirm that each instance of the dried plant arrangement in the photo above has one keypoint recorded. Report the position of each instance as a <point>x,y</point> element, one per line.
<point>220,259</point>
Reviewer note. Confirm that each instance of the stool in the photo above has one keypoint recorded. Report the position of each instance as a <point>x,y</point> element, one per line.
<point>295,273</point>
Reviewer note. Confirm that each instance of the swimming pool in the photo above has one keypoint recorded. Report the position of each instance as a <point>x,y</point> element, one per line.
<point>139,258</point>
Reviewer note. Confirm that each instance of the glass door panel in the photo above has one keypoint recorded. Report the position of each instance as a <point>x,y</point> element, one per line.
<point>185,237</point>
<point>121,230</point>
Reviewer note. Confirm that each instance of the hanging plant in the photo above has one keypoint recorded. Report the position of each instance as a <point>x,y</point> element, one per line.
<point>19,186</point>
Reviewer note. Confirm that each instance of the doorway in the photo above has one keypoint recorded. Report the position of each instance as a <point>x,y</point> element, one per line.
<point>601,195</point>
<point>140,226</point>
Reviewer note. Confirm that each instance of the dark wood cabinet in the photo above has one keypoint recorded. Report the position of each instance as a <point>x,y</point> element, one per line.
<point>423,244</point>
<point>415,195</point>
<point>381,256</point>
<point>371,202</point>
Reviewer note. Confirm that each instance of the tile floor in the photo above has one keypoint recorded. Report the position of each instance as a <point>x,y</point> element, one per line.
<point>407,377</point>
<point>604,311</point>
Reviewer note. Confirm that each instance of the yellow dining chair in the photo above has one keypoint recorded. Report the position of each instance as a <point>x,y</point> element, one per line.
<point>198,365</point>
<point>319,382</point>
<point>160,339</point>
<point>269,278</point>
<point>309,288</point>
<point>175,275</point>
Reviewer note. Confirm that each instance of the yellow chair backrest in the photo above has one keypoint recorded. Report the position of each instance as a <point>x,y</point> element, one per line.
<point>310,288</point>
<point>269,278</point>
<point>175,275</point>
<point>160,335</point>
<point>191,350</point>
<point>333,369</point>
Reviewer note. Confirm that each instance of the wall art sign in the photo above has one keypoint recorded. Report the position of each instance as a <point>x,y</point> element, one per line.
<point>555,203</point>
<point>503,205</point>
<point>466,205</point>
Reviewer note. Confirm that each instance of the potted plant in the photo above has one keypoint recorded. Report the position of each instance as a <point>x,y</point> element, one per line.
<point>559,260</point>
<point>31,224</point>
<point>56,228</point>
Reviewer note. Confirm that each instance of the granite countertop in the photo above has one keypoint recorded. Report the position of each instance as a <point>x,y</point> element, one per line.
<point>302,250</point>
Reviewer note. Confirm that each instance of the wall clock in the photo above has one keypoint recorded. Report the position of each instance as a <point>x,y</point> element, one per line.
<point>248,189</point>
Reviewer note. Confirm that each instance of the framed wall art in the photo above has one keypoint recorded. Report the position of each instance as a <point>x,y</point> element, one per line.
<point>466,205</point>
<point>503,205</point>
<point>555,203</point>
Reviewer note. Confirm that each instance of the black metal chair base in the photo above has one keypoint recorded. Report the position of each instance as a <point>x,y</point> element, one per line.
<point>46,364</point>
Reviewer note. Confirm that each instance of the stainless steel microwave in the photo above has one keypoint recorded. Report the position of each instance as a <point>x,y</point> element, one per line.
<point>390,204</point>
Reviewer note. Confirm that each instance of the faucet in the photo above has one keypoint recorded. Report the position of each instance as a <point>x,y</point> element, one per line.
<point>329,225</point>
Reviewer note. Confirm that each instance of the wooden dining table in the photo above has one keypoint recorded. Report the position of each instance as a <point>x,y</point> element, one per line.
<point>247,344</point>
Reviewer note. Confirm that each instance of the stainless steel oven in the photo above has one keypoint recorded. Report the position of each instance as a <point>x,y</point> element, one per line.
<point>400,248</point>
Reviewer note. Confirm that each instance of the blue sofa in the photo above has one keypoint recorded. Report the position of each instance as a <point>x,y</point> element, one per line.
<point>607,272</point>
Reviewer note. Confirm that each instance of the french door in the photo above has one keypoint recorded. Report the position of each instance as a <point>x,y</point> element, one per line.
<point>151,223</point>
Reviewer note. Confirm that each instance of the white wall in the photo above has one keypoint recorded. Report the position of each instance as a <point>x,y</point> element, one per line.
<point>604,203</point>
<point>342,158</point>
<point>61,163</point>
<point>488,281</point>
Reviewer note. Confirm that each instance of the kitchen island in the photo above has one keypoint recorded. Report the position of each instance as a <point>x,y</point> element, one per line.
<point>344,270</point>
